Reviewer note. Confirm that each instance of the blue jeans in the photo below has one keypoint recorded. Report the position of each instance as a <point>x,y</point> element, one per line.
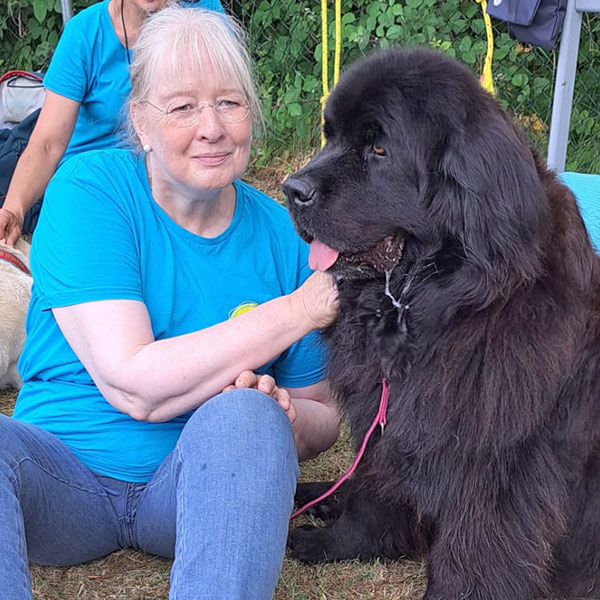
<point>219,504</point>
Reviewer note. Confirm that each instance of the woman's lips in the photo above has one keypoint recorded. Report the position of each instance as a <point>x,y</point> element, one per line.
<point>213,159</point>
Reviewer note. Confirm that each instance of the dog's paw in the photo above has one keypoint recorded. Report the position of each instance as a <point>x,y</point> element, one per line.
<point>308,544</point>
<point>327,509</point>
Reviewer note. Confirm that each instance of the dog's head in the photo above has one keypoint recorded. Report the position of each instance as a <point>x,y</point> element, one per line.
<point>418,154</point>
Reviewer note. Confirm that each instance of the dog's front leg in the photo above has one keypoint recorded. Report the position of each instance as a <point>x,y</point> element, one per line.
<point>327,509</point>
<point>367,528</point>
<point>496,535</point>
<point>483,574</point>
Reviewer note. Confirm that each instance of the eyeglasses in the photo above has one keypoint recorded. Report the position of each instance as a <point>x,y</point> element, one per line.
<point>188,114</point>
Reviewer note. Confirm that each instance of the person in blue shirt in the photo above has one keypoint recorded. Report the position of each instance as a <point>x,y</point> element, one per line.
<point>172,373</point>
<point>87,84</point>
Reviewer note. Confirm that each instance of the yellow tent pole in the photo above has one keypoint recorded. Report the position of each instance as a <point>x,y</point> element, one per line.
<point>486,79</point>
<point>325,53</point>
<point>325,69</point>
<point>338,40</point>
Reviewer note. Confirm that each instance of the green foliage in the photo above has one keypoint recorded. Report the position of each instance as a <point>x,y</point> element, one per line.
<point>29,32</point>
<point>286,45</point>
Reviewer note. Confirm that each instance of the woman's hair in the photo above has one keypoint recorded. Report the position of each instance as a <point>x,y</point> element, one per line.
<point>183,35</point>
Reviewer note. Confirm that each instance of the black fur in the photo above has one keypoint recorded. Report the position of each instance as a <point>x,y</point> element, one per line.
<point>490,461</point>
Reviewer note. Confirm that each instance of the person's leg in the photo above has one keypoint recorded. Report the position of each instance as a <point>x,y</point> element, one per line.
<point>227,490</point>
<point>53,510</point>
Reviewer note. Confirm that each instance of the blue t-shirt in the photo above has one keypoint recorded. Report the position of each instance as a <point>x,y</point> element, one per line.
<point>102,236</point>
<point>90,66</point>
<point>586,189</point>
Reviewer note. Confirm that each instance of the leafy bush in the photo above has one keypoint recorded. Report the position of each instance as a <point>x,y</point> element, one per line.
<point>29,32</point>
<point>285,37</point>
<point>285,41</point>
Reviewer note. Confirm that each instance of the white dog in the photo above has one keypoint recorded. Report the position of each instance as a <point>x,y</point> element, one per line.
<point>15,292</point>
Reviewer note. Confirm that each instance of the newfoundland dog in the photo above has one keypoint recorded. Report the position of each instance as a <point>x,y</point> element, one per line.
<point>468,282</point>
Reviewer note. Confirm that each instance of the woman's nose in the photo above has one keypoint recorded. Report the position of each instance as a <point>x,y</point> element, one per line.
<point>209,125</point>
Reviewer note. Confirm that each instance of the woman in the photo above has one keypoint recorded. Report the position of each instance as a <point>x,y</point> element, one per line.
<point>161,280</point>
<point>86,85</point>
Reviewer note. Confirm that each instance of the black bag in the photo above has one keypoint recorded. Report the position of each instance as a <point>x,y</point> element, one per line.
<point>12,144</point>
<point>536,22</point>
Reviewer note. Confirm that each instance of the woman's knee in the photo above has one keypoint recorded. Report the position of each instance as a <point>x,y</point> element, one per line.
<point>243,417</point>
<point>241,438</point>
<point>242,408</point>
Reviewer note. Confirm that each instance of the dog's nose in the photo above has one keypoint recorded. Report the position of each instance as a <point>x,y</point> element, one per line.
<point>299,191</point>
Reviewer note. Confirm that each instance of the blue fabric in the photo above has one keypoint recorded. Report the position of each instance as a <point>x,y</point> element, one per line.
<point>535,22</point>
<point>220,503</point>
<point>518,12</point>
<point>90,66</point>
<point>101,236</point>
<point>586,189</point>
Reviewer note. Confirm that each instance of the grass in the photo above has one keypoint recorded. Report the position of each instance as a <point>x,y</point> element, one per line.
<point>132,575</point>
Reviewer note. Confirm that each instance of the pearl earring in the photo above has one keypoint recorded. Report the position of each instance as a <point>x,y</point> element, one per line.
<point>146,148</point>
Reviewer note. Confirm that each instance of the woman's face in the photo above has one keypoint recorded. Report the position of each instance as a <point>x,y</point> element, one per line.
<point>208,154</point>
<point>148,5</point>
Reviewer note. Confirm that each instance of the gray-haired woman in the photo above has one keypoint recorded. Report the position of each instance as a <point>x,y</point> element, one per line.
<point>160,281</point>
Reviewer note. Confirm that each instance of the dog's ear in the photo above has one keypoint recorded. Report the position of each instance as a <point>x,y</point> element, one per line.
<point>490,201</point>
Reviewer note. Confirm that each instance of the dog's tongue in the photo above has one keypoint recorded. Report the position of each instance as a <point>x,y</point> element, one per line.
<point>321,257</point>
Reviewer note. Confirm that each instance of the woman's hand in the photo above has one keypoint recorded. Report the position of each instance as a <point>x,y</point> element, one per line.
<point>267,385</point>
<point>10,226</point>
<point>317,297</point>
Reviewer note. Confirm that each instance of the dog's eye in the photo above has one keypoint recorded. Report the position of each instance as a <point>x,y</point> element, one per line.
<point>379,150</point>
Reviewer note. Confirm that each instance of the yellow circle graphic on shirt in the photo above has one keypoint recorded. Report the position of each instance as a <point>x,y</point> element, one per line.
<point>242,308</point>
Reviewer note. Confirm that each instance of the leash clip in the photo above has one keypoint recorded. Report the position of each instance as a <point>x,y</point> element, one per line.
<point>382,413</point>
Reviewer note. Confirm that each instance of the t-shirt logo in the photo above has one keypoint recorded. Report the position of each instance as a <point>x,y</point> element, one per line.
<point>242,308</point>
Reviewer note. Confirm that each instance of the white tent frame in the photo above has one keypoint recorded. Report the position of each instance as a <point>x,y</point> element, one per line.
<point>566,72</point>
<point>66,7</point>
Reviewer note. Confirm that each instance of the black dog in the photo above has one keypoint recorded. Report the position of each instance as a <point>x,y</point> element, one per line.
<point>468,281</point>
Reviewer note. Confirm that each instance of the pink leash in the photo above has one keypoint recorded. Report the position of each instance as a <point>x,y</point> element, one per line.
<point>381,420</point>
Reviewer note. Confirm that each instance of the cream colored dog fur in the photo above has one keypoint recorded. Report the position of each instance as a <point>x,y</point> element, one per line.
<point>15,292</point>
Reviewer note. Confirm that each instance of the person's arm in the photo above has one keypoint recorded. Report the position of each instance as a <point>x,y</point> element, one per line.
<point>38,162</point>
<point>158,380</point>
<point>317,423</point>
